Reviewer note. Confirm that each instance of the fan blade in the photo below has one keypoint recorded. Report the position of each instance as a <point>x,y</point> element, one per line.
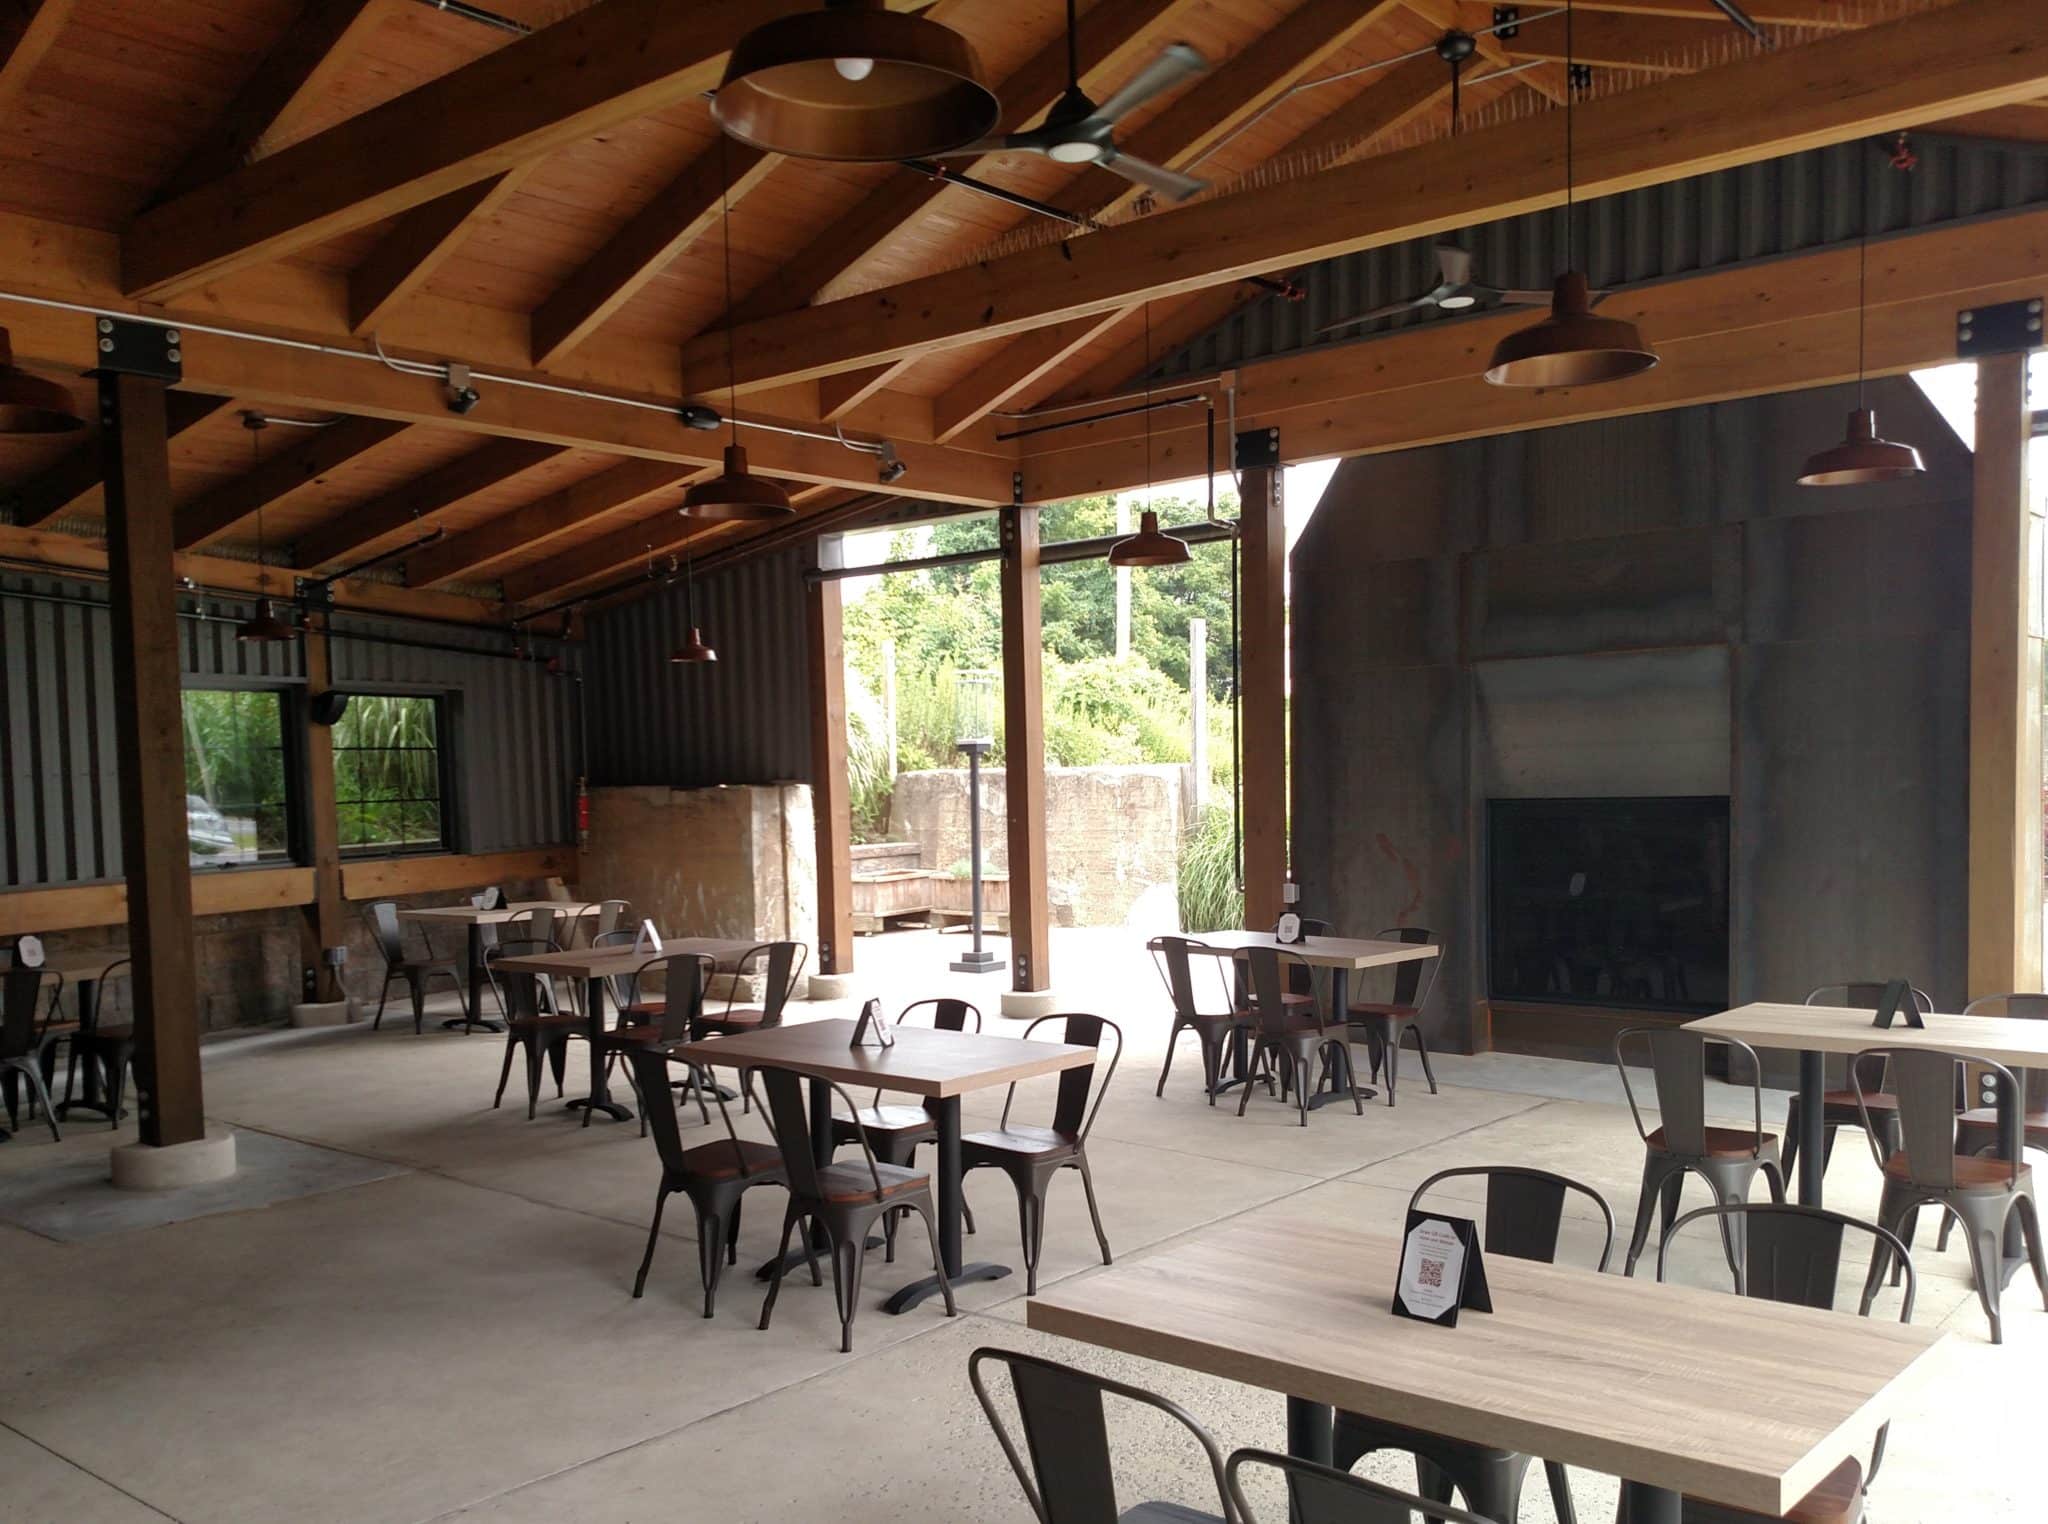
<point>1392,309</point>
<point>1178,62</point>
<point>1168,182</point>
<point>1015,142</point>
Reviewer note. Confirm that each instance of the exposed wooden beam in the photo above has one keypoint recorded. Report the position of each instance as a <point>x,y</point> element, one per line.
<point>1263,682</point>
<point>611,555</point>
<point>559,513</point>
<point>28,30</point>
<point>831,801</point>
<point>106,904</point>
<point>381,877</point>
<point>1972,56</point>
<point>416,503</point>
<point>73,484</point>
<point>418,243</point>
<point>840,394</point>
<point>1814,13</point>
<point>1653,44</point>
<point>1014,368</point>
<point>1545,79</point>
<point>609,64</point>
<point>1112,41</point>
<point>298,465</point>
<point>683,211</point>
<point>317,44</point>
<point>1024,751</point>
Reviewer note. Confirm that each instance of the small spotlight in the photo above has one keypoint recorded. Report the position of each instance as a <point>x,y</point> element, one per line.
<point>696,415</point>
<point>462,397</point>
<point>890,469</point>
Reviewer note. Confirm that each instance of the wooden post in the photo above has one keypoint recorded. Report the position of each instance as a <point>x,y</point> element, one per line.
<point>1263,683</point>
<point>148,724</point>
<point>2005,693</point>
<point>831,806</point>
<point>321,922</point>
<point>1024,754</point>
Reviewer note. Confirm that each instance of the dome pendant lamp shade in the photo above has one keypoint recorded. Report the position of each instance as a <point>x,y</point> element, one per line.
<point>736,493</point>
<point>264,625</point>
<point>1150,546</point>
<point>855,82</point>
<point>1863,457</point>
<point>29,404</point>
<point>693,650</point>
<point>1571,347</point>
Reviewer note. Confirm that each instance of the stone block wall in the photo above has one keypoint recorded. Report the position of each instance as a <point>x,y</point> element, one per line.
<point>736,861</point>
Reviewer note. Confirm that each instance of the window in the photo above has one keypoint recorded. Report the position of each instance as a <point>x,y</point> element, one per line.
<point>387,774</point>
<point>235,791</point>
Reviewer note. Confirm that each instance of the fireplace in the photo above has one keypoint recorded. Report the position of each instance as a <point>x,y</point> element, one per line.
<point>1619,903</point>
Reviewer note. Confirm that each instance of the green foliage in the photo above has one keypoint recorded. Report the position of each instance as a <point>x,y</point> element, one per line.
<point>1209,897</point>
<point>387,771</point>
<point>234,761</point>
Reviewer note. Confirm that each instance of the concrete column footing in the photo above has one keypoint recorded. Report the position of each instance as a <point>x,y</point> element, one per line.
<point>1029,1005</point>
<point>140,1167</point>
<point>833,986</point>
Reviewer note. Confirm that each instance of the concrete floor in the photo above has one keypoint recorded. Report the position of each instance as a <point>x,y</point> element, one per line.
<point>457,1338</point>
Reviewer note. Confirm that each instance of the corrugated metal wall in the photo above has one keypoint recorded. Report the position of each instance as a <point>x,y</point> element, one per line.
<point>513,723</point>
<point>744,720</point>
<point>1761,211</point>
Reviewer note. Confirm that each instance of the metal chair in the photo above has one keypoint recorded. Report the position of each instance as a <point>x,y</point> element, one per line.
<point>1071,1477</point>
<point>1319,1494</point>
<point>781,965</point>
<point>894,1132</point>
<point>841,1200</point>
<point>1727,1158</point>
<point>1524,1213</point>
<point>1983,1193</point>
<point>1794,1255</point>
<point>1295,1037</point>
<point>108,1048</point>
<point>1032,1156</point>
<point>531,1022</point>
<point>1174,958</point>
<point>715,1176</point>
<point>595,920</point>
<point>385,930</point>
<point>684,977</point>
<point>1386,1023</point>
<point>23,1042</point>
<point>1977,1126</point>
<point>1838,1102</point>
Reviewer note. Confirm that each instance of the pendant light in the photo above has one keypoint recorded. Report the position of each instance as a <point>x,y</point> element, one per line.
<point>855,82</point>
<point>693,650</point>
<point>735,493</point>
<point>1864,455</point>
<point>1573,346</point>
<point>29,404</point>
<point>263,626</point>
<point>1150,546</point>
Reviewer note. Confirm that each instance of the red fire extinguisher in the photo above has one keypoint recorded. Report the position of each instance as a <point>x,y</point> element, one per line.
<point>582,813</point>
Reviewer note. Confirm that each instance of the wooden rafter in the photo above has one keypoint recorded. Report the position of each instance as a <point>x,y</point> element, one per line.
<point>1818,13</point>
<point>419,500</point>
<point>611,555</point>
<point>28,30</point>
<point>1652,44</point>
<point>1013,369</point>
<point>285,472</point>
<point>574,506</point>
<point>1545,79</point>
<point>609,64</point>
<point>315,47</point>
<point>841,394</point>
<point>74,484</point>
<point>1972,56</point>
<point>418,243</point>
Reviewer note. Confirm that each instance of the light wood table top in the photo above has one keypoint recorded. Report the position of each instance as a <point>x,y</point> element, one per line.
<point>1844,1029</point>
<point>922,1062</point>
<point>81,963</point>
<point>603,962</point>
<point>469,915</point>
<point>1747,1403</point>
<point>1324,952</point>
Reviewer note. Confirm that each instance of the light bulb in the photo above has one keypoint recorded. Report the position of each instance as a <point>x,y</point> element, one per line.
<point>1074,151</point>
<point>855,69</point>
<point>1457,303</point>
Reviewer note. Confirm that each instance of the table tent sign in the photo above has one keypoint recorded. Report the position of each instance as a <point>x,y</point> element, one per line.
<point>28,952</point>
<point>1441,1270</point>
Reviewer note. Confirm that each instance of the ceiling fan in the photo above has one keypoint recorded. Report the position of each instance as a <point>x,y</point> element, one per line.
<point>1454,291</point>
<point>1078,131</point>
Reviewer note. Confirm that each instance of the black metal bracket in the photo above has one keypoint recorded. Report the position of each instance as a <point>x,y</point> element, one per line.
<point>138,349</point>
<point>313,592</point>
<point>1016,489</point>
<point>1256,450</point>
<point>2010,328</point>
<point>1578,78</point>
<point>1507,21</point>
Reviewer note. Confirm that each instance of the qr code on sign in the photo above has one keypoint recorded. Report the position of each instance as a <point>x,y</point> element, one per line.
<point>1430,1273</point>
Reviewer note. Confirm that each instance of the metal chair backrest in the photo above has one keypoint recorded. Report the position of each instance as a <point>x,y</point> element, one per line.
<point>519,992</point>
<point>608,914</point>
<point>1981,1087</point>
<point>1865,995</point>
<point>624,989</point>
<point>1924,1081</point>
<point>1524,1209</point>
<point>536,925</point>
<point>382,917</point>
<point>1319,1494</point>
<point>20,993</point>
<point>1414,980</point>
<point>784,966</point>
<point>1071,1110</point>
<point>1678,1066</point>
<point>1273,974</point>
<point>948,1015</point>
<point>789,1115</point>
<point>651,1073</point>
<point>684,979</point>
<point>1070,1478</point>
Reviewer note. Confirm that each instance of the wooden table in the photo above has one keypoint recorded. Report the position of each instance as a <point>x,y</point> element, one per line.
<point>1815,1031</point>
<point>594,966</point>
<point>476,920</point>
<point>85,969</point>
<point>1342,956</point>
<point>940,1066</point>
<point>1675,1390</point>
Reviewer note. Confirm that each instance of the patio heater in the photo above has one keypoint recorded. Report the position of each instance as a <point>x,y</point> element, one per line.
<point>974,732</point>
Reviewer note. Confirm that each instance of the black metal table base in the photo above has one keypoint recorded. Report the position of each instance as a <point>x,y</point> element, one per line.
<point>472,1024</point>
<point>924,1290</point>
<point>605,1108</point>
<point>1320,1098</point>
<point>796,1259</point>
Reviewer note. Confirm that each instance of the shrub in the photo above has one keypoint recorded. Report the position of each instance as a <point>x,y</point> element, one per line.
<point>1210,899</point>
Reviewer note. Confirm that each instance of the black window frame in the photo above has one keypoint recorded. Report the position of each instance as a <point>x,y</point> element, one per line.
<point>291,698</point>
<point>444,775</point>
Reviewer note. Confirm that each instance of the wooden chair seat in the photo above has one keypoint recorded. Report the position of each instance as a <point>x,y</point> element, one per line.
<point>852,1182</point>
<point>1019,1139</point>
<point>638,1035</point>
<point>1840,1105</point>
<point>1377,1008</point>
<point>722,1160</point>
<point>731,1021</point>
<point>1972,1173</point>
<point>642,1011</point>
<point>1985,1119</point>
<point>1722,1142</point>
<point>563,1021</point>
<point>894,1120</point>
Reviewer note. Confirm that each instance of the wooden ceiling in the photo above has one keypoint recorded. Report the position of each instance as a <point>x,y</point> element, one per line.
<point>549,207</point>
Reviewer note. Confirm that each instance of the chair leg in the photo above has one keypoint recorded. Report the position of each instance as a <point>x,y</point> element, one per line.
<point>416,987</point>
<point>653,1238</point>
<point>710,1254</point>
<point>505,1073</point>
<point>1212,1065</point>
<point>790,1218</point>
<point>1422,1052</point>
<point>2030,1230</point>
<point>889,1236</point>
<point>1094,1216</point>
<point>1391,1042</point>
<point>534,1063</point>
<point>382,996</point>
<point>1341,1059</point>
<point>558,1060</point>
<point>1167,1067</point>
<point>39,1092</point>
<point>1031,1228</point>
<point>1893,1204</point>
<point>732,1232</point>
<point>1658,1170</point>
<point>847,1254</point>
<point>1984,1234</point>
<point>1560,1492</point>
<point>1792,1132</point>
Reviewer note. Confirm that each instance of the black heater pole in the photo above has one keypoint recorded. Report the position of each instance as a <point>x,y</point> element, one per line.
<point>977,959</point>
